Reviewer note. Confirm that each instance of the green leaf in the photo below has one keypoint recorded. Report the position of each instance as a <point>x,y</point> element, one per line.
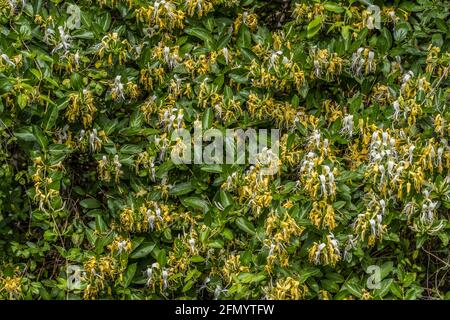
<point>41,138</point>
<point>5,85</point>
<point>214,168</point>
<point>339,204</point>
<point>246,277</point>
<point>49,235</point>
<point>196,203</point>
<point>222,42</point>
<point>354,288</point>
<point>181,189</point>
<point>336,277</point>
<point>385,286</point>
<point>90,203</point>
<point>401,31</point>
<point>386,269</point>
<point>308,272</point>
<point>105,21</point>
<point>162,257</point>
<point>248,55</point>
<point>225,199</point>
<point>413,293</point>
<point>333,7</point>
<point>50,117</point>
<point>216,244</point>
<point>384,42</point>
<point>396,290</point>
<point>197,259</point>
<point>100,224</point>
<point>76,81</point>
<point>143,250</point>
<point>207,120</point>
<point>130,149</point>
<point>129,274</point>
<point>329,285</point>
<point>80,34</point>
<point>238,78</point>
<point>188,286</point>
<point>245,225</point>
<point>314,27</point>
<point>227,234</point>
<point>244,39</point>
<point>444,238</point>
<point>22,100</point>
<point>25,134</point>
<point>200,33</point>
<point>91,236</point>
<point>36,73</point>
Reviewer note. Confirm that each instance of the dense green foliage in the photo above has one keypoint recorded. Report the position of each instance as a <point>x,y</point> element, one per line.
<point>90,92</point>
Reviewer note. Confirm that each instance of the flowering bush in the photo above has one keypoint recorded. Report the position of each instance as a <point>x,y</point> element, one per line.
<point>92,205</point>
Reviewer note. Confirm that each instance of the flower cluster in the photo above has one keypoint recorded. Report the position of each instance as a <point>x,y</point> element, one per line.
<point>92,94</point>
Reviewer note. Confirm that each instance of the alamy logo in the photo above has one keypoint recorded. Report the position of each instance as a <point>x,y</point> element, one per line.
<point>230,146</point>
<point>374,19</point>
<point>374,280</point>
<point>74,19</point>
<point>74,277</point>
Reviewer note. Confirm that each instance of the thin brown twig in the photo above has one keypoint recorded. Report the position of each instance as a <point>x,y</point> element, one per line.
<point>436,257</point>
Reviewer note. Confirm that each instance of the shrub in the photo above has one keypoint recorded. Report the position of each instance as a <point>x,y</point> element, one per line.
<point>92,205</point>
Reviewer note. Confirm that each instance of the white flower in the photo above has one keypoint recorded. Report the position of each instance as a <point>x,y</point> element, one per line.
<point>156,7</point>
<point>351,243</point>
<point>93,138</point>
<point>315,138</point>
<point>370,61</point>
<point>347,125</point>
<point>323,184</point>
<point>379,223</point>
<point>148,273</point>
<point>150,219</point>
<point>369,22</point>
<point>118,89</point>
<point>205,284</point>
<point>317,68</point>
<point>6,58</point>
<point>164,276</point>
<point>49,35</point>
<point>192,244</point>
<point>244,17</point>
<point>410,151</point>
<point>319,250</point>
<point>384,136</point>
<point>271,250</point>
<point>117,162</point>
<point>121,245</point>
<point>166,54</point>
<point>335,244</point>
<point>396,106</point>
<point>218,291</point>
<point>408,76</point>
<point>274,57</point>
<point>390,167</point>
<point>65,41</point>
<point>409,208</point>
<point>383,205</point>
<point>439,156</point>
<point>373,226</point>
<point>158,212</point>
<point>225,54</point>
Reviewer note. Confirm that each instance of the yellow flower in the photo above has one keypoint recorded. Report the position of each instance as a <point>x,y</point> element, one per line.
<point>12,286</point>
<point>287,289</point>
